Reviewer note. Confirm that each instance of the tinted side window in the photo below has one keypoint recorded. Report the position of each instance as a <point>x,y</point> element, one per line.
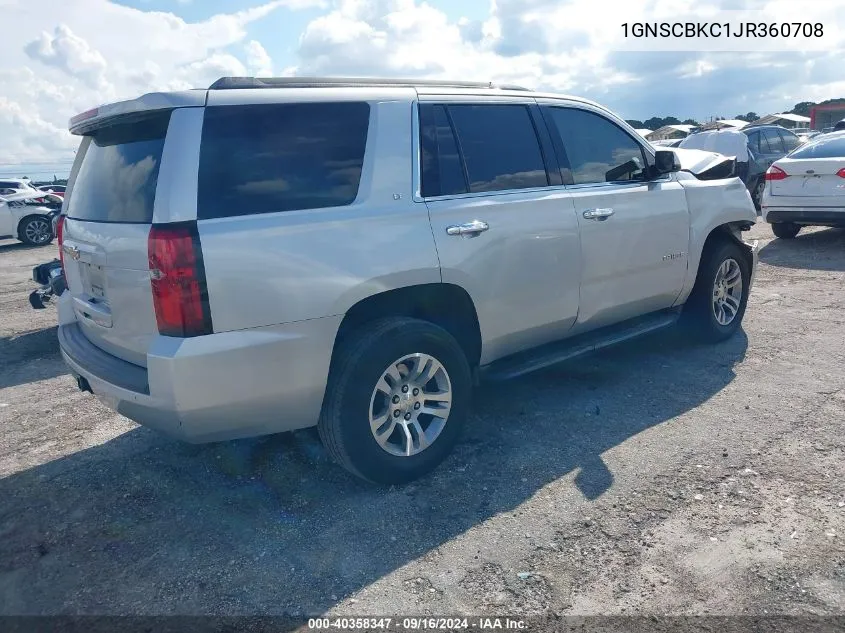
<point>280,157</point>
<point>754,142</point>
<point>790,140</point>
<point>499,146</point>
<point>442,169</point>
<point>775,141</point>
<point>598,150</point>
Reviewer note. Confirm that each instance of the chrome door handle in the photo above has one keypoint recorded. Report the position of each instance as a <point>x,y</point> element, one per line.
<point>470,229</point>
<point>597,214</point>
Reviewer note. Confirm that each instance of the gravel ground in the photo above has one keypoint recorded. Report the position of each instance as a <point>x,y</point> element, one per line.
<point>655,478</point>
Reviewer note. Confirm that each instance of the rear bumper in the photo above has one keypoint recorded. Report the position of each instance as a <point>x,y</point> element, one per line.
<point>216,387</point>
<point>824,216</point>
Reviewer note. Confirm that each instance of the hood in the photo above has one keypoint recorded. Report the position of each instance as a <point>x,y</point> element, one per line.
<point>705,165</point>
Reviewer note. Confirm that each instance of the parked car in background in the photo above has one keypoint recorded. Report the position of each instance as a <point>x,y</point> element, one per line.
<point>667,142</point>
<point>23,218</point>
<point>807,187</point>
<point>10,186</point>
<point>804,134</point>
<point>766,144</point>
<point>59,190</point>
<point>839,126</point>
<point>336,262</point>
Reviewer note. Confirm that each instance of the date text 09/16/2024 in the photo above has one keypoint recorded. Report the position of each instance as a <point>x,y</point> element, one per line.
<point>416,624</point>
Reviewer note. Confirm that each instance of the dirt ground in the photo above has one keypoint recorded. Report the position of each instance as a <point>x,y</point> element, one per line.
<point>655,478</point>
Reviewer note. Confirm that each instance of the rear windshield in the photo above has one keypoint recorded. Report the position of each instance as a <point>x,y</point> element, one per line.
<point>822,148</point>
<point>268,158</point>
<point>117,176</point>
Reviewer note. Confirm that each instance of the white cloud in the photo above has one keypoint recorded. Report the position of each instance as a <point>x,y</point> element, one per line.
<point>64,57</point>
<point>69,52</point>
<point>258,61</point>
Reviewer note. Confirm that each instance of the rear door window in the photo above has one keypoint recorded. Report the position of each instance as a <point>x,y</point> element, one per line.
<point>790,140</point>
<point>774,141</point>
<point>268,158</point>
<point>596,148</point>
<point>442,169</point>
<point>499,146</point>
<point>118,172</point>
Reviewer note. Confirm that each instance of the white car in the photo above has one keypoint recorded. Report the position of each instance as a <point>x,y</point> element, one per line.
<point>807,187</point>
<point>22,219</point>
<point>9,186</point>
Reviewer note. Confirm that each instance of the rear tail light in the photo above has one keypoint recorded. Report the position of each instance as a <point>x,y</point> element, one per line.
<point>776,173</point>
<point>60,237</point>
<point>841,173</point>
<point>177,278</point>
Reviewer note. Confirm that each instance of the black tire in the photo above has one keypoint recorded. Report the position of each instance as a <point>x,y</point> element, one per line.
<point>35,230</point>
<point>699,316</point>
<point>757,194</point>
<point>785,230</point>
<point>357,366</point>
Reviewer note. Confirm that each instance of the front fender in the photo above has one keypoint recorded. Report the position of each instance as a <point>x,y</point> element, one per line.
<point>712,204</point>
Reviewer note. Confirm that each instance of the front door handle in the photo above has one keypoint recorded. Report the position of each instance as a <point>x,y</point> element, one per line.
<point>597,214</point>
<point>469,229</point>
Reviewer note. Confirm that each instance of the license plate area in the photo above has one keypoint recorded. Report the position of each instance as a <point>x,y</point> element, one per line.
<point>93,280</point>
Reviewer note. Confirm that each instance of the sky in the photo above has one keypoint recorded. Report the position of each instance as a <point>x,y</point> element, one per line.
<point>61,57</point>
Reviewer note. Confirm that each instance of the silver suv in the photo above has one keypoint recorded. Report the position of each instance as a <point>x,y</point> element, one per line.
<point>273,254</point>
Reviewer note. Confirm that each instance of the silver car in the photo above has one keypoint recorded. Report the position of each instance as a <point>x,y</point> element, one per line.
<point>268,255</point>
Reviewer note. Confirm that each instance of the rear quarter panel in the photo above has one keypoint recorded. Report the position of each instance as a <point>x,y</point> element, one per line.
<point>296,265</point>
<point>712,203</point>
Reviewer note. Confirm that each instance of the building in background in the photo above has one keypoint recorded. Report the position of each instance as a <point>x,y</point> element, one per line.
<point>721,124</point>
<point>826,116</point>
<point>668,132</point>
<point>787,120</point>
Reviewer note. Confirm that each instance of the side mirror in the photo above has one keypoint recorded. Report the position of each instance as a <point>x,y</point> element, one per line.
<point>665,162</point>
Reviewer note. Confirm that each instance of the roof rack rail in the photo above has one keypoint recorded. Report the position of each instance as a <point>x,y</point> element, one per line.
<point>234,83</point>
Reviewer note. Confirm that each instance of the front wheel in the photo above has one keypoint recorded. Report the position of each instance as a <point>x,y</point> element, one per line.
<point>36,231</point>
<point>785,230</point>
<point>717,303</point>
<point>398,395</point>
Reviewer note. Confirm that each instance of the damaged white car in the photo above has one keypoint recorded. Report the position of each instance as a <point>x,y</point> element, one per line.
<point>28,216</point>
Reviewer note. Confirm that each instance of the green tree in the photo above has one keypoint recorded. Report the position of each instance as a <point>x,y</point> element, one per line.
<point>803,108</point>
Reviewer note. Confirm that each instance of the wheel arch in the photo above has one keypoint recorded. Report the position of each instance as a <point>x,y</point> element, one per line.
<point>731,231</point>
<point>446,305</point>
<point>22,222</point>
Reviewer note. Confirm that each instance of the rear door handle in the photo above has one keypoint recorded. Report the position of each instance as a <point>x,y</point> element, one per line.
<point>597,214</point>
<point>469,229</point>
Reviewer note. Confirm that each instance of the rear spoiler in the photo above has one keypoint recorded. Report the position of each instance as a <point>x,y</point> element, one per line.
<point>104,114</point>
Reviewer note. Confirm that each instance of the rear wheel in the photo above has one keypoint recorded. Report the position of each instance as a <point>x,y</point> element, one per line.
<point>785,230</point>
<point>35,230</point>
<point>398,395</point>
<point>717,303</point>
